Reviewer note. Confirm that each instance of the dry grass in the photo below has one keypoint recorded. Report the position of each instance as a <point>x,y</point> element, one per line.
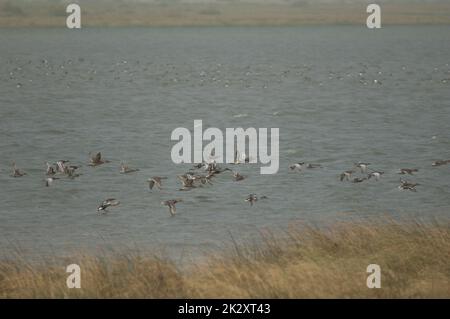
<point>302,262</point>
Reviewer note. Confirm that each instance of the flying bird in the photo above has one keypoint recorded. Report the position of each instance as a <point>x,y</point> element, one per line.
<point>187,182</point>
<point>61,166</point>
<point>16,171</point>
<point>125,169</point>
<point>110,202</point>
<point>346,175</point>
<point>440,163</point>
<point>252,198</point>
<point>375,174</point>
<point>50,170</point>
<point>409,171</point>
<point>97,160</point>
<point>155,180</point>
<point>71,171</point>
<point>238,177</point>
<point>404,185</point>
<point>204,179</point>
<point>171,204</point>
<point>297,166</point>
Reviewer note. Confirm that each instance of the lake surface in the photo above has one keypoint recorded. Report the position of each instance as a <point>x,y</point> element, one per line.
<point>338,94</point>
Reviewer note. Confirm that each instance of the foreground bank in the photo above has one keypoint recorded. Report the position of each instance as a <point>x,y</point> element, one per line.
<point>302,262</point>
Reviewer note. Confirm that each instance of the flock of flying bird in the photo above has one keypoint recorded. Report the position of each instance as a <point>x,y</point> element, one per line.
<point>189,180</point>
<point>194,178</point>
<point>368,173</point>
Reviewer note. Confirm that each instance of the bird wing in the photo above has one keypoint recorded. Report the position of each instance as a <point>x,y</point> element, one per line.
<point>115,203</point>
<point>111,202</point>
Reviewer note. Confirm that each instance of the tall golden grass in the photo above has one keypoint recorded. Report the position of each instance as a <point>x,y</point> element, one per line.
<point>301,262</point>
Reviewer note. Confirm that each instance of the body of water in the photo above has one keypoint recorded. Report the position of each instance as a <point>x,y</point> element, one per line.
<point>339,95</point>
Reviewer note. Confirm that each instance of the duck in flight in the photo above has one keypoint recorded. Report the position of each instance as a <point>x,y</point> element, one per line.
<point>346,175</point>
<point>187,181</point>
<point>61,166</point>
<point>204,179</point>
<point>213,168</point>
<point>97,160</point>
<point>297,166</point>
<point>375,174</point>
<point>110,202</point>
<point>16,171</point>
<point>409,171</point>
<point>155,180</point>
<point>252,198</point>
<point>50,170</point>
<point>71,171</point>
<point>238,177</point>
<point>171,204</point>
<point>440,163</point>
<point>404,185</point>
<point>125,169</point>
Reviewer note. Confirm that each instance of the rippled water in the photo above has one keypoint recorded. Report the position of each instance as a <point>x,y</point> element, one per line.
<point>338,94</point>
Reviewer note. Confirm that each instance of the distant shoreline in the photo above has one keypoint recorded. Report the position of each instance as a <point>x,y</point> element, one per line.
<point>242,14</point>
